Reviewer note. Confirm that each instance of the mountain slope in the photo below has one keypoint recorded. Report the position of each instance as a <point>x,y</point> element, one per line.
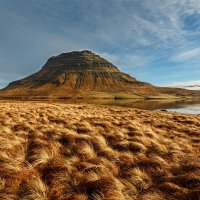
<point>84,74</point>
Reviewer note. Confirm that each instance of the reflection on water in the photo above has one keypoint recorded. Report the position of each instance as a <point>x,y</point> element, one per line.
<point>183,106</point>
<point>190,109</point>
<point>180,106</point>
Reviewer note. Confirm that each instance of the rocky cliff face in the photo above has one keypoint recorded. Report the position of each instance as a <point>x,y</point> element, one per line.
<point>79,73</point>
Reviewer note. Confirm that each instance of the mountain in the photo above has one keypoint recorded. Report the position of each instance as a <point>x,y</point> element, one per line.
<point>84,74</point>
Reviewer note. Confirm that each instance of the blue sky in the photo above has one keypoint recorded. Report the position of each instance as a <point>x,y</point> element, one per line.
<point>153,40</point>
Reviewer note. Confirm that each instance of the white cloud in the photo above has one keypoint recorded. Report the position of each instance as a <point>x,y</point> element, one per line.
<point>125,60</point>
<point>163,25</point>
<point>191,85</point>
<point>187,55</point>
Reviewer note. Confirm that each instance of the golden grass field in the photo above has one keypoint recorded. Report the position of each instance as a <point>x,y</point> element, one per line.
<point>61,151</point>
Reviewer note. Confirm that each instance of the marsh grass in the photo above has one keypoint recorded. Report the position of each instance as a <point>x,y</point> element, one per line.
<point>78,152</point>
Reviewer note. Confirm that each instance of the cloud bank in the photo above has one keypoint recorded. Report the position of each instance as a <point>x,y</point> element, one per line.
<point>190,85</point>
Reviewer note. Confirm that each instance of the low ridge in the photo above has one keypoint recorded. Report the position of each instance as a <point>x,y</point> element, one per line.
<point>84,74</point>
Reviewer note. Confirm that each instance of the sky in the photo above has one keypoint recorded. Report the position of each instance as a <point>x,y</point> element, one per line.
<point>156,41</point>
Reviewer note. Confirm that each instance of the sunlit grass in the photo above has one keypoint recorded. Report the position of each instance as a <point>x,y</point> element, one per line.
<point>84,152</point>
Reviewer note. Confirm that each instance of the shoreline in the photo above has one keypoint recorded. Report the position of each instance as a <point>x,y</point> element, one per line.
<point>184,106</point>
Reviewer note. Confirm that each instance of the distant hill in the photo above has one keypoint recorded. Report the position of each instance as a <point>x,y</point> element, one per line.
<point>83,74</point>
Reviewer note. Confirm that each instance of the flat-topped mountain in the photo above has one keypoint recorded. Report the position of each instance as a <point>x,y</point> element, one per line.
<point>84,74</point>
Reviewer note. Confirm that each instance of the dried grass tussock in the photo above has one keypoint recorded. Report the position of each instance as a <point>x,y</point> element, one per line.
<point>85,152</point>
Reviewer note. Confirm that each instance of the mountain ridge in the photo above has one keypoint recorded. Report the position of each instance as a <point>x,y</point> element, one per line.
<point>84,74</point>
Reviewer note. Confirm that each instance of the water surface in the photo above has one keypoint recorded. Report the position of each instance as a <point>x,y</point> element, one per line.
<point>180,106</point>
<point>188,109</point>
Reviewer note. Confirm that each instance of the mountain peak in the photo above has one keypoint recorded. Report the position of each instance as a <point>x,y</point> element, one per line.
<point>75,53</point>
<point>78,59</point>
<point>84,74</point>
